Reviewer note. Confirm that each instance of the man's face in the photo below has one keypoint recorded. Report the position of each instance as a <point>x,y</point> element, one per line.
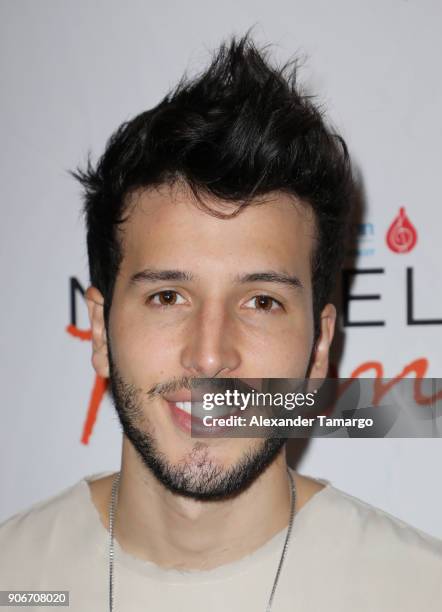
<point>191,299</point>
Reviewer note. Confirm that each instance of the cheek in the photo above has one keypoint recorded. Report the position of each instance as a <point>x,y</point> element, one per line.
<point>143,352</point>
<point>283,351</point>
<point>285,355</point>
<point>294,344</point>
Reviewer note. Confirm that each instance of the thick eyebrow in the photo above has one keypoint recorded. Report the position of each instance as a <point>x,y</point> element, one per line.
<point>270,276</point>
<point>150,276</point>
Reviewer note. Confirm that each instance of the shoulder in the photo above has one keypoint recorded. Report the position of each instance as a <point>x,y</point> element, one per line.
<point>361,548</point>
<point>35,538</point>
<point>370,525</point>
<point>38,515</point>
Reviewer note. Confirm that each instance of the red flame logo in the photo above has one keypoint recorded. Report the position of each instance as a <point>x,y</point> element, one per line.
<point>401,235</point>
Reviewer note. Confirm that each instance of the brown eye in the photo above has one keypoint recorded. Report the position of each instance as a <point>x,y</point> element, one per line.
<point>165,298</point>
<point>265,303</point>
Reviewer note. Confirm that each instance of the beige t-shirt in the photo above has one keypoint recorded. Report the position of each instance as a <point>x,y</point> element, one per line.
<point>344,556</point>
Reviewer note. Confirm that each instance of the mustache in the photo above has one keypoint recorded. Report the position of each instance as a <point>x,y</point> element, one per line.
<point>190,383</point>
<point>170,386</point>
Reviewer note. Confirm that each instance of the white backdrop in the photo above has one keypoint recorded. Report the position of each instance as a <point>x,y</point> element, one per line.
<point>71,72</point>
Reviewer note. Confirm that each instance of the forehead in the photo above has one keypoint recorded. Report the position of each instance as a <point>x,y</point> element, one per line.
<point>165,227</point>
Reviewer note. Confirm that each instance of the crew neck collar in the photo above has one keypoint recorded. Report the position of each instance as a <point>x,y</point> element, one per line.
<point>269,551</point>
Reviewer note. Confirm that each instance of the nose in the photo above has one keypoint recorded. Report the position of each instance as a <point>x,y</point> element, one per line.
<point>211,344</point>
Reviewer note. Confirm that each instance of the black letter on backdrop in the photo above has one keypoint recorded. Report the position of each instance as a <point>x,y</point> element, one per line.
<point>346,297</point>
<point>410,303</point>
<point>75,288</point>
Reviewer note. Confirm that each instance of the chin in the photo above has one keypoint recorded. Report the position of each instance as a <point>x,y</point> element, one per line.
<point>208,473</point>
<point>198,453</point>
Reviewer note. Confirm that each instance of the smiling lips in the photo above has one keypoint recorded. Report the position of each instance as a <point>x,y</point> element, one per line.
<point>182,416</point>
<point>180,407</point>
<point>185,406</point>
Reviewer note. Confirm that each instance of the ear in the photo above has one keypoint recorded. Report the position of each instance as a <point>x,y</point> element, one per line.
<point>320,364</point>
<point>95,304</point>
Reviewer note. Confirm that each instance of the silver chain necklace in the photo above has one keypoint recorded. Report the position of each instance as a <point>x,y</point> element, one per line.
<point>113,505</point>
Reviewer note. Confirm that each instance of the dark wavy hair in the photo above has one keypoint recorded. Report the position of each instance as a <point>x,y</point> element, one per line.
<point>240,130</point>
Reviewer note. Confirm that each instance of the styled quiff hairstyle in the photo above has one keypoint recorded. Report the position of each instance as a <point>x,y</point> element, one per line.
<point>240,130</point>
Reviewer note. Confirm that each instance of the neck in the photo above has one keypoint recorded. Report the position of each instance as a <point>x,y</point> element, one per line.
<point>173,531</point>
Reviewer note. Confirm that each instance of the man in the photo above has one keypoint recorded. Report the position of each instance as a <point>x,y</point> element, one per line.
<point>215,232</point>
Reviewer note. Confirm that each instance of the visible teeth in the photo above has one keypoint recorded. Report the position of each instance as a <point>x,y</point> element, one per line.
<point>186,406</point>
<point>198,409</point>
